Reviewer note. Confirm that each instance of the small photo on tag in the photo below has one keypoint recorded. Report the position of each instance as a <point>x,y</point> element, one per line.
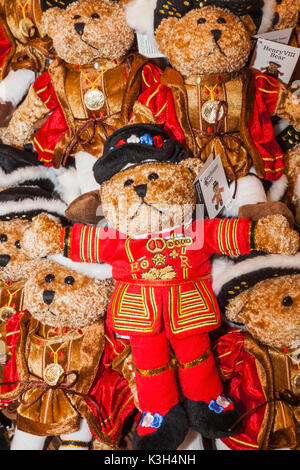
<point>212,188</point>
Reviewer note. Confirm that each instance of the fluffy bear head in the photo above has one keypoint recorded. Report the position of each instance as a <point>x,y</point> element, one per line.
<point>205,41</point>
<point>262,293</point>
<point>61,297</point>
<point>87,30</point>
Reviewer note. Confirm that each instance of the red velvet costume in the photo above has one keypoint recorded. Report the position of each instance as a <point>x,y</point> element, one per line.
<point>164,293</point>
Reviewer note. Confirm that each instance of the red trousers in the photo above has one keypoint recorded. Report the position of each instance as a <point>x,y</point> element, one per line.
<point>157,385</point>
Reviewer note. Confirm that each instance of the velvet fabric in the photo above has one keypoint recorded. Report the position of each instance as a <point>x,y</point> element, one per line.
<point>247,131</point>
<point>72,127</point>
<point>21,28</point>
<point>252,373</point>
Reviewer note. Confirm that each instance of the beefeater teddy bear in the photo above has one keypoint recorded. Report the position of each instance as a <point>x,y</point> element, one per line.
<point>160,260</point>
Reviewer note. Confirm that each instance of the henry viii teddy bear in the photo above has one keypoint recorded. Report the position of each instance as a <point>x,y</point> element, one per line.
<point>88,90</point>
<point>259,358</point>
<point>208,99</point>
<point>160,261</point>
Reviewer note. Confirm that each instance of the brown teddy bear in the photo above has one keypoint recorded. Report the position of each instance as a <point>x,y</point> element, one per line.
<point>24,51</point>
<point>260,362</point>
<point>88,90</point>
<point>63,362</point>
<point>208,100</point>
<point>160,261</point>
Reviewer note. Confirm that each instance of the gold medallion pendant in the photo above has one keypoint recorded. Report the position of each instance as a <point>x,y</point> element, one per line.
<point>6,313</point>
<point>209,111</point>
<point>94,99</point>
<point>52,373</point>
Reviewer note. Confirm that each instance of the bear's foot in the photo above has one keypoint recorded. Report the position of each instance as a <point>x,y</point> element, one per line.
<point>212,420</point>
<point>157,432</point>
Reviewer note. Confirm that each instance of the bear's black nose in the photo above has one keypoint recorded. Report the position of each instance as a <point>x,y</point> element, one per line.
<point>216,34</point>
<point>48,296</point>
<point>141,190</point>
<point>4,260</point>
<point>79,28</point>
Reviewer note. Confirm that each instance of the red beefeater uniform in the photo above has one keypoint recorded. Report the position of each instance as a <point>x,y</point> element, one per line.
<point>164,294</point>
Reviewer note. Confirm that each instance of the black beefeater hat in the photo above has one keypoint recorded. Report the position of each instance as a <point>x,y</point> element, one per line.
<point>136,144</point>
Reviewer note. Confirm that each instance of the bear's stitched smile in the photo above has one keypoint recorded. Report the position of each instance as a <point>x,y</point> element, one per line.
<point>88,44</point>
<point>149,205</point>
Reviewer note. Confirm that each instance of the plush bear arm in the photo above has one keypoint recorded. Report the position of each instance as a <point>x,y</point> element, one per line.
<point>288,107</point>
<point>141,114</point>
<point>42,238</point>
<point>21,127</point>
<point>274,235</point>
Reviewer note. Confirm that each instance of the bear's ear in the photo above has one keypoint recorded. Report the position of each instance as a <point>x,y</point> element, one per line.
<point>49,20</point>
<point>249,24</point>
<point>86,208</point>
<point>163,34</point>
<point>193,164</point>
<point>235,308</point>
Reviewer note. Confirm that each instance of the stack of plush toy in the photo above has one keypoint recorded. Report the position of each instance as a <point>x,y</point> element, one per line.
<point>127,320</point>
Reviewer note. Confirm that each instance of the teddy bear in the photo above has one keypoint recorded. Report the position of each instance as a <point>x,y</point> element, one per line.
<point>64,362</point>
<point>24,51</point>
<point>88,90</point>
<point>208,99</point>
<point>160,258</point>
<point>258,359</point>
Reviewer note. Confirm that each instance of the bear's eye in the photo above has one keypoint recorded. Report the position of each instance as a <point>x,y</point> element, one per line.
<point>201,21</point>
<point>3,237</point>
<point>69,280</point>
<point>221,20</point>
<point>18,244</point>
<point>287,301</point>
<point>49,278</point>
<point>76,17</point>
<point>95,16</point>
<point>128,183</point>
<point>153,177</point>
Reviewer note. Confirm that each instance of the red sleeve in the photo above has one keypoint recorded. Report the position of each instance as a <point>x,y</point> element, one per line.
<point>10,368</point>
<point>111,390</point>
<point>89,244</point>
<point>159,99</point>
<point>230,237</point>
<point>228,353</point>
<point>44,89</point>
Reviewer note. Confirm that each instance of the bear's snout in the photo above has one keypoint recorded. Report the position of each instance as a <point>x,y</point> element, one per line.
<point>141,190</point>
<point>48,296</point>
<point>4,260</point>
<point>79,28</point>
<point>216,34</point>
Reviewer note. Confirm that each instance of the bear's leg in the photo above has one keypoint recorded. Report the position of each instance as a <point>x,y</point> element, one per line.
<point>210,412</point>
<point>79,440</point>
<point>24,441</point>
<point>163,425</point>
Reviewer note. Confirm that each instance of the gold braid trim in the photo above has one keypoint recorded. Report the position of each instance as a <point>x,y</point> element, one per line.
<point>174,363</point>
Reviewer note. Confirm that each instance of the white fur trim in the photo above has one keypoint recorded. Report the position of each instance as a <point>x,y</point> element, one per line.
<point>15,86</point>
<point>268,15</point>
<point>237,270</point>
<point>250,190</point>
<point>17,177</point>
<point>278,189</point>
<point>84,163</point>
<point>68,188</point>
<point>140,16</point>
<point>44,205</point>
<point>93,270</point>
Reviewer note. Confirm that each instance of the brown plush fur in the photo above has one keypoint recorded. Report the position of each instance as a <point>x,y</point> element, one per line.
<point>286,14</point>
<point>191,48</point>
<point>14,231</point>
<point>73,306</point>
<point>262,312</point>
<point>274,233</point>
<point>99,36</point>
